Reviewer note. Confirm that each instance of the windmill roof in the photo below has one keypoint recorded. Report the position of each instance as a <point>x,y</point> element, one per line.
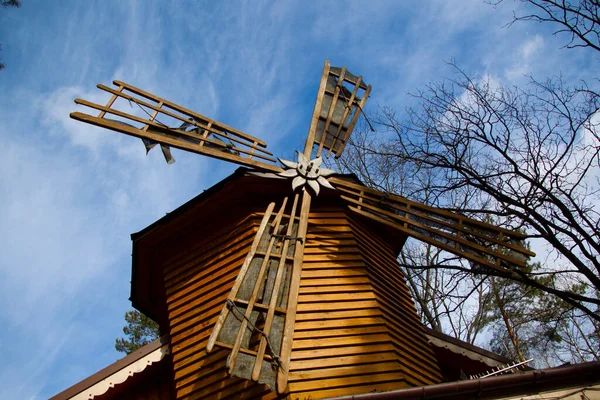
<point>142,363</point>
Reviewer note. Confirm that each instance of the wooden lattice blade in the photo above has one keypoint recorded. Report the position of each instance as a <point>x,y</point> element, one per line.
<point>479,242</point>
<point>185,130</point>
<point>253,320</point>
<point>340,101</point>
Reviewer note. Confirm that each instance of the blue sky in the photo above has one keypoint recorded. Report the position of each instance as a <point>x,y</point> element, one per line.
<point>71,194</point>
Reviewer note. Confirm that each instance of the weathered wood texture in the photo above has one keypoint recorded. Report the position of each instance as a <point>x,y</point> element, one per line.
<point>356,328</point>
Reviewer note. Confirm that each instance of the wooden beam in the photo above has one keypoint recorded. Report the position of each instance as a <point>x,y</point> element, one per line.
<point>310,139</point>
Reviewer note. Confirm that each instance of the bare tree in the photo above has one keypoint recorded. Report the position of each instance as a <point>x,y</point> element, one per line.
<point>580,19</point>
<point>527,158</point>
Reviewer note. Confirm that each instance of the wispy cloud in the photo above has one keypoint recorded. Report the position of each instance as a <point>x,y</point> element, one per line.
<point>70,194</point>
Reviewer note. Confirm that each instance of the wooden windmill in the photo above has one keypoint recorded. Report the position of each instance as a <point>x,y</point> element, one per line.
<point>256,325</point>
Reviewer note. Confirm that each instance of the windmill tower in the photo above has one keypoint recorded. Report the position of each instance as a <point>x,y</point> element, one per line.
<point>271,288</point>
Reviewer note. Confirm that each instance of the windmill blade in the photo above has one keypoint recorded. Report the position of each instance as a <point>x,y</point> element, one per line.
<point>187,130</point>
<point>255,320</point>
<point>340,101</point>
<point>481,243</point>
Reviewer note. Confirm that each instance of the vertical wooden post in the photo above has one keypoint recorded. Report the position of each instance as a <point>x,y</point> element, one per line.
<point>290,318</point>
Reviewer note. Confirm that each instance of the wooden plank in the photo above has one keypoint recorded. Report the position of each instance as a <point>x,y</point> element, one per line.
<point>309,364</point>
<point>180,274</point>
<point>337,256</point>
<point>199,247</point>
<point>219,273</point>
<point>342,351</point>
<point>337,281</point>
<point>182,332</point>
<point>340,332</point>
<point>158,108</point>
<point>341,273</point>
<point>344,323</point>
<point>337,306</point>
<point>316,316</point>
<point>344,382</point>
<point>364,340</point>
<point>363,387</point>
<point>186,272</point>
<point>356,188</point>
<point>345,370</point>
<point>318,290</point>
<point>111,101</point>
<point>347,295</point>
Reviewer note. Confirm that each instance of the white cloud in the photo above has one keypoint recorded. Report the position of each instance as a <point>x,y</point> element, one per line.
<point>525,59</point>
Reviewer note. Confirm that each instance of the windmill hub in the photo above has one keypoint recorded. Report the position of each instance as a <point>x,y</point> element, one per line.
<point>307,172</point>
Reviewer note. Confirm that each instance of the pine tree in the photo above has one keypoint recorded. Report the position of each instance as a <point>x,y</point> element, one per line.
<point>139,331</point>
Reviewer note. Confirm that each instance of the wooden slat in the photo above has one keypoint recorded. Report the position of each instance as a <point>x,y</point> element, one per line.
<point>397,307</point>
<point>342,341</point>
<point>342,351</point>
<point>344,371</point>
<point>359,386</point>
<point>111,101</point>
<point>344,323</point>
<point>339,332</point>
